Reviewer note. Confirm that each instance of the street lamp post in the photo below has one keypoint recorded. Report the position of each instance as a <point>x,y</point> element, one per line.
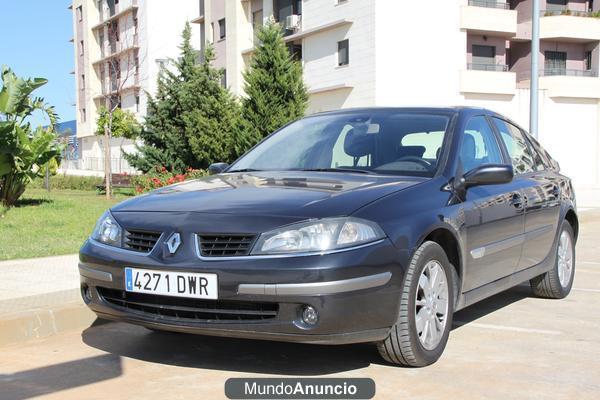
<point>535,49</point>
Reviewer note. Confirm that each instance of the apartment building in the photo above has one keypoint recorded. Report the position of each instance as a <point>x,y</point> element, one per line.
<point>442,52</point>
<point>120,47</point>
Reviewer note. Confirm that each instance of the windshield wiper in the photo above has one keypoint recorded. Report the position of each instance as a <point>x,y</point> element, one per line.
<point>244,170</point>
<point>359,171</point>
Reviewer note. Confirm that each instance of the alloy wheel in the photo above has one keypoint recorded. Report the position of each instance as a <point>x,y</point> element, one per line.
<point>565,259</point>
<point>431,305</point>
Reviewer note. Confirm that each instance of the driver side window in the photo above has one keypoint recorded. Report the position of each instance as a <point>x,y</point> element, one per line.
<point>479,145</point>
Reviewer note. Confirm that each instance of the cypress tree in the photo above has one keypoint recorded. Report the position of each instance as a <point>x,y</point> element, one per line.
<point>275,91</point>
<point>192,121</point>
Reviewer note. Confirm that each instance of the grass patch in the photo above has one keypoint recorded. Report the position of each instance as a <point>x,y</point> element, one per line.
<point>50,223</point>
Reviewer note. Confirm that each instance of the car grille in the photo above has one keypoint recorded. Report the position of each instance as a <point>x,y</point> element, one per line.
<point>188,309</point>
<point>142,241</point>
<point>225,245</point>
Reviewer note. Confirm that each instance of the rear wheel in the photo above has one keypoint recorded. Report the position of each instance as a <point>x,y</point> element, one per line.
<point>557,283</point>
<point>426,306</point>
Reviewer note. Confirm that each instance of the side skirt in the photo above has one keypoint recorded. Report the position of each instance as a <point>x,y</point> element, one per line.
<point>502,284</point>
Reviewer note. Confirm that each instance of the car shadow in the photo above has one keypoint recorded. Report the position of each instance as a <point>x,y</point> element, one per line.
<point>57,377</point>
<point>256,356</point>
<point>490,305</point>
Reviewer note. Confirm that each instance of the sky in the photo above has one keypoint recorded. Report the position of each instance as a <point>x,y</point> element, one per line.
<point>34,42</point>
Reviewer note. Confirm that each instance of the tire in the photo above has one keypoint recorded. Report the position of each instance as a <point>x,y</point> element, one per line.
<point>403,345</point>
<point>550,285</point>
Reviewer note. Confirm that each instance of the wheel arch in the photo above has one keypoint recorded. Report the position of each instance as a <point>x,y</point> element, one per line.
<point>571,218</point>
<point>448,240</point>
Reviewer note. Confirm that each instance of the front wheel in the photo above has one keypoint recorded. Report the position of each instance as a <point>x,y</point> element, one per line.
<point>420,334</point>
<point>557,283</point>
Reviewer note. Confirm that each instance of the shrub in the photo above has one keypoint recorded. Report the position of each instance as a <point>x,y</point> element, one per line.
<point>70,182</point>
<point>160,176</point>
<point>25,153</point>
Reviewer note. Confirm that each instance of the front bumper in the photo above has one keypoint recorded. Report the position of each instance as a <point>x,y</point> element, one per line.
<point>356,293</point>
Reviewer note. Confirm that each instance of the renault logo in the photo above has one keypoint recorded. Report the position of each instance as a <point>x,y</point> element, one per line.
<point>173,242</point>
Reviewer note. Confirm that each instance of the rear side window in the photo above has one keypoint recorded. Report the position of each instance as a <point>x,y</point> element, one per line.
<point>521,155</point>
<point>479,145</point>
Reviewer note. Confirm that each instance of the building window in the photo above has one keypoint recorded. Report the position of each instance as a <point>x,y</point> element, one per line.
<point>81,47</point>
<point>556,5</point>
<point>257,22</point>
<point>82,81</point>
<point>296,51</point>
<point>79,14</point>
<point>555,63</point>
<point>484,57</point>
<point>83,115</point>
<point>588,60</point>
<point>113,31</point>
<point>343,52</point>
<point>222,29</point>
<point>224,78</point>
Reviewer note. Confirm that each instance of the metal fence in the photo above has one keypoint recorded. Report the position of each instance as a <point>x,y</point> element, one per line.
<point>117,165</point>
<point>490,4</point>
<point>568,72</point>
<point>488,67</point>
<point>525,75</point>
<point>566,11</point>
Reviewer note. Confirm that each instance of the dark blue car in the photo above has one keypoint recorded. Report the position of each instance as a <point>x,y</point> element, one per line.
<point>364,225</point>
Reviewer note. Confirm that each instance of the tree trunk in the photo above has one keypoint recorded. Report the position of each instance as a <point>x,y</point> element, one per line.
<point>107,173</point>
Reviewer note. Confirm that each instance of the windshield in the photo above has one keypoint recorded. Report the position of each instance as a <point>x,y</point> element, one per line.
<point>399,143</point>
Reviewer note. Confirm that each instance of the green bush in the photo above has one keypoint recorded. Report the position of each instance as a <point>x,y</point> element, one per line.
<point>69,182</point>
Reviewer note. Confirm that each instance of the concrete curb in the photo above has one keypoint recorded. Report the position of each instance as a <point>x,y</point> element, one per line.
<point>43,322</point>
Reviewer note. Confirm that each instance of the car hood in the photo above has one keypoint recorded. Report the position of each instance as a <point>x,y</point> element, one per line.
<point>276,193</point>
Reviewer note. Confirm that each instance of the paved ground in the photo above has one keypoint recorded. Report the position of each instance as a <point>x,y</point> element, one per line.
<point>510,346</point>
<point>30,283</point>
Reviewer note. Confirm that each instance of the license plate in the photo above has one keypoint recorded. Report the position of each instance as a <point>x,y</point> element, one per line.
<point>179,284</point>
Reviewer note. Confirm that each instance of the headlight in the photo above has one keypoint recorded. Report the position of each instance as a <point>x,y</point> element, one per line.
<point>107,230</point>
<point>318,236</point>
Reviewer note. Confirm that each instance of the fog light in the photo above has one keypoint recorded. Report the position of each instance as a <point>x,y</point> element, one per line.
<point>310,316</point>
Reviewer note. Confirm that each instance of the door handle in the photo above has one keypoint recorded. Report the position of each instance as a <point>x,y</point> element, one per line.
<point>516,201</point>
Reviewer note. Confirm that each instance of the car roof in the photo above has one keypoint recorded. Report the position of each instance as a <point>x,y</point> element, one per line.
<point>468,110</point>
<point>443,110</point>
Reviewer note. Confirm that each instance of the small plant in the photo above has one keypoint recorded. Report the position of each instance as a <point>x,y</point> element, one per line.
<point>161,176</point>
<point>566,12</point>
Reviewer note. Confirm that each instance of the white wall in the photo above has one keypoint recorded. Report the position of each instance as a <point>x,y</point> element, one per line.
<point>163,23</point>
<point>320,53</point>
<point>420,50</point>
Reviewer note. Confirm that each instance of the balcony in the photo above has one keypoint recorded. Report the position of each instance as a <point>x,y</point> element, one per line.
<point>571,83</point>
<point>489,18</point>
<point>117,49</point>
<point>569,25</point>
<point>488,78</point>
<point>115,13</point>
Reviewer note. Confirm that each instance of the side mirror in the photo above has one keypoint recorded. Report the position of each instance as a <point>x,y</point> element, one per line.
<point>217,168</point>
<point>488,174</point>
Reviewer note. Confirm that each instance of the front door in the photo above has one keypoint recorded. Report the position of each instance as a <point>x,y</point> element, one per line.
<point>494,213</point>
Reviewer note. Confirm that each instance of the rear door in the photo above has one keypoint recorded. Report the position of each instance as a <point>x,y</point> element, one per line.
<point>541,194</point>
<point>494,213</point>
